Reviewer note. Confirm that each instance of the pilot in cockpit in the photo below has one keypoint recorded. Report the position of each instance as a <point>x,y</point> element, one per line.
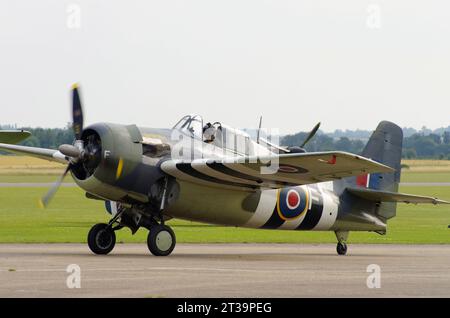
<point>209,133</point>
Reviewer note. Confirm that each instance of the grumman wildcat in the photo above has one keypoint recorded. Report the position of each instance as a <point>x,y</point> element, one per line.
<point>212,173</point>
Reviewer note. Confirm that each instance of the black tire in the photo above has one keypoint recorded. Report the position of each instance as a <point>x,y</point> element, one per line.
<point>341,248</point>
<point>161,240</point>
<point>101,239</point>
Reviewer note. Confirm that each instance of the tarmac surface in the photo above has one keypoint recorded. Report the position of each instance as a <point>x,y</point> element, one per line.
<point>226,270</point>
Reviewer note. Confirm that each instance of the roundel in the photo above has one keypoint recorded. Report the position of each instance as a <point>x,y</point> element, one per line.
<point>292,202</point>
<point>292,199</point>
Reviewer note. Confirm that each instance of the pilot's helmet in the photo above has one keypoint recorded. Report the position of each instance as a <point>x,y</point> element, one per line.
<point>207,125</point>
<point>209,133</point>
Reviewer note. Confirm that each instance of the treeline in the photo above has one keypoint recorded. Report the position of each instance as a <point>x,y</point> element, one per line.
<point>432,146</point>
<point>323,142</point>
<point>418,145</point>
<point>429,146</point>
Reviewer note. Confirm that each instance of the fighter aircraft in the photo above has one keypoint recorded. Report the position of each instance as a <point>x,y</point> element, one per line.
<point>213,173</point>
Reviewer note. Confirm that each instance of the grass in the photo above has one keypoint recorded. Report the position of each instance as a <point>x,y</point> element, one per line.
<point>417,176</point>
<point>17,169</point>
<point>427,165</point>
<point>22,165</point>
<point>70,216</point>
<point>34,178</point>
<point>407,176</point>
<point>426,171</point>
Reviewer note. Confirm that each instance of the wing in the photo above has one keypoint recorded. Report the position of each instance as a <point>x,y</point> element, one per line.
<point>274,171</point>
<point>387,196</point>
<point>43,153</point>
<point>13,136</point>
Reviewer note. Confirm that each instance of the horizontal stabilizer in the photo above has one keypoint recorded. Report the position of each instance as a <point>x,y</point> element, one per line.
<point>387,196</point>
<point>13,136</point>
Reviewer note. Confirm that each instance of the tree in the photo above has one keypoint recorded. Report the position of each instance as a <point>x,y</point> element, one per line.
<point>343,144</point>
<point>446,137</point>
<point>409,153</point>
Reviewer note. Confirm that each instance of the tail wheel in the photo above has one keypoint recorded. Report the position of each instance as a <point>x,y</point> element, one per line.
<point>341,248</point>
<point>101,239</point>
<point>161,240</point>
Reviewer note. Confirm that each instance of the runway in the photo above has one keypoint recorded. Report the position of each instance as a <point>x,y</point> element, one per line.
<point>225,270</point>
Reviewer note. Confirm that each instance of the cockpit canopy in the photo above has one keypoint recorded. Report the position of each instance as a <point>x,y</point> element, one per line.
<point>233,140</point>
<point>191,124</point>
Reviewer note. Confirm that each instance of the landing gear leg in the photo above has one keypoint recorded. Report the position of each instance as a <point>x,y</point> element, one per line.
<point>163,200</point>
<point>101,238</point>
<point>342,237</point>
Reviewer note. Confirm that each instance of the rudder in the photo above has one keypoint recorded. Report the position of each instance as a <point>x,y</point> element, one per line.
<point>385,146</point>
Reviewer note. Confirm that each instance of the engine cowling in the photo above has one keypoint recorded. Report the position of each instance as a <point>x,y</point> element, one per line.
<point>115,168</point>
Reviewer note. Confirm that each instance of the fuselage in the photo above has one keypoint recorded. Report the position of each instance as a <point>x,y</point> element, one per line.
<point>316,207</point>
<point>310,207</point>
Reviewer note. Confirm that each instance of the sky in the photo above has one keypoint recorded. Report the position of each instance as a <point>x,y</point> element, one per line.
<point>348,64</point>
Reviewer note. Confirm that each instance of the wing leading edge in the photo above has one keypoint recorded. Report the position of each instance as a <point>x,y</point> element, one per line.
<point>42,153</point>
<point>273,172</point>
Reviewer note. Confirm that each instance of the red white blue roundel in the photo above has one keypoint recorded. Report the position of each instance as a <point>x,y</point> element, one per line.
<point>292,202</point>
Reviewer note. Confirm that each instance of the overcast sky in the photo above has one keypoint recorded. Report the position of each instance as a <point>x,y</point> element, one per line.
<point>348,64</point>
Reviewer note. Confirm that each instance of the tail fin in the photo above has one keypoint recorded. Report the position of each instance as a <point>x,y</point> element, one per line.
<point>384,146</point>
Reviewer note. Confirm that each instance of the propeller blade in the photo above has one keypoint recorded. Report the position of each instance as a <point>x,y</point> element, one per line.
<point>311,134</point>
<point>77,112</point>
<point>45,200</point>
<point>69,151</point>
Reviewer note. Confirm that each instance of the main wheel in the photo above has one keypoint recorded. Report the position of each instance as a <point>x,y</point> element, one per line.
<point>341,248</point>
<point>101,239</point>
<point>161,240</point>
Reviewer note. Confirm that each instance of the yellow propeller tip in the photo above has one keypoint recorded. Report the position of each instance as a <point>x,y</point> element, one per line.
<point>75,86</point>
<point>41,204</point>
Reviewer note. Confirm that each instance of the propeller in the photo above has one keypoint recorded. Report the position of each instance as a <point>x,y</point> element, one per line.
<point>77,112</point>
<point>311,134</point>
<point>75,152</point>
<point>45,200</point>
